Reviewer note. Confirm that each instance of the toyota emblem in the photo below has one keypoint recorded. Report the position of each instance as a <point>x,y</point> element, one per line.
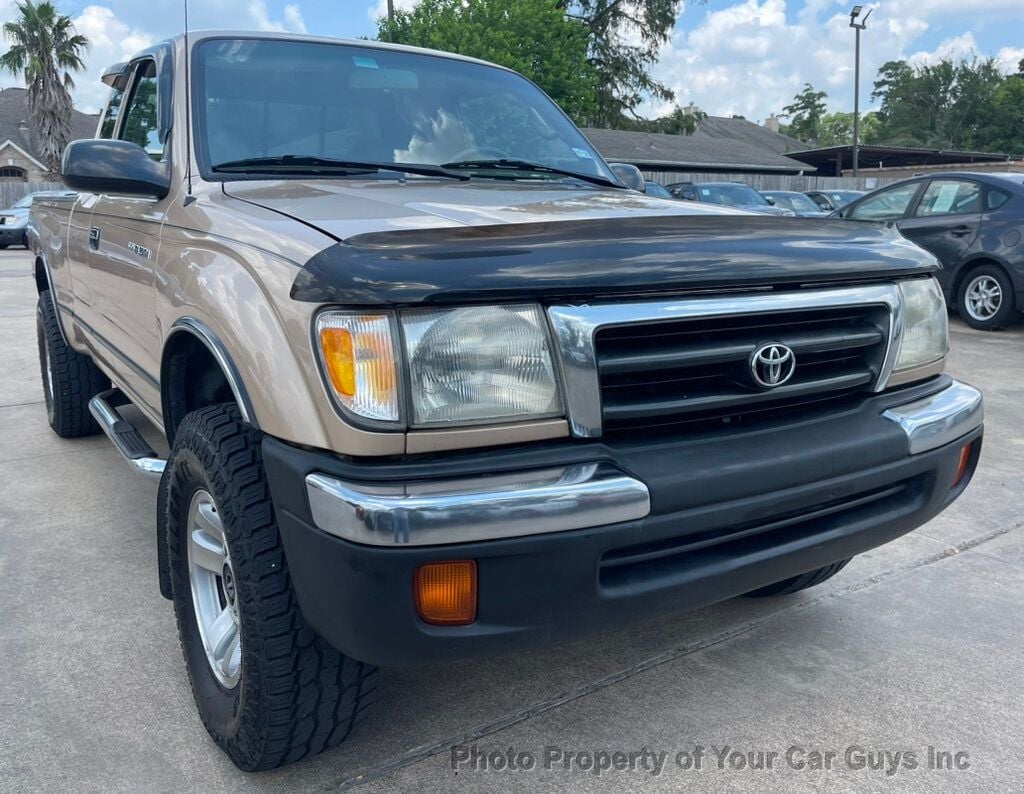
<point>772,365</point>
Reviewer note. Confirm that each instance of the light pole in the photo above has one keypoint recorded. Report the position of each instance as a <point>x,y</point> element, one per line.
<point>858,27</point>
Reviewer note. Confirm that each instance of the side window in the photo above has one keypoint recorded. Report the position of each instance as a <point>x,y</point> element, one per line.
<point>995,198</point>
<point>887,205</point>
<point>140,121</point>
<point>109,119</point>
<point>950,197</point>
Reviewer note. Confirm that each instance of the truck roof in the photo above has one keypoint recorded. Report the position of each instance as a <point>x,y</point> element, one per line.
<point>197,36</point>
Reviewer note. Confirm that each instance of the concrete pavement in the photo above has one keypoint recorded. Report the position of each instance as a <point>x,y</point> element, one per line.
<point>914,646</point>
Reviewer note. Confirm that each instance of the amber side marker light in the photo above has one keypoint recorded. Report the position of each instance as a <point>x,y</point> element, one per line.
<point>961,467</point>
<point>446,592</point>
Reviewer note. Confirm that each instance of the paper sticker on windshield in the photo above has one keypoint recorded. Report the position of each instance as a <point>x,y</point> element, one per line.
<point>705,192</point>
<point>363,62</point>
<point>583,154</point>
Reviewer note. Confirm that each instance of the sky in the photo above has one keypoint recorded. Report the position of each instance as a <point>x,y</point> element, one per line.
<point>747,58</point>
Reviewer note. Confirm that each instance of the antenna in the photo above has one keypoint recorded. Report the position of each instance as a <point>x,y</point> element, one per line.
<point>189,198</point>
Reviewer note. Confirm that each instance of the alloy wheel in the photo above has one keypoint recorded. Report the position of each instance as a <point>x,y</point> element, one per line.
<point>983,298</point>
<point>214,590</point>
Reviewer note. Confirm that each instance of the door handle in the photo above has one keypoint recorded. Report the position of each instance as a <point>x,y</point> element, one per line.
<point>961,231</point>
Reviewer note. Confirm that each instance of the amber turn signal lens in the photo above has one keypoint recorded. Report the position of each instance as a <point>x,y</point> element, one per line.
<point>446,592</point>
<point>961,467</point>
<point>340,358</point>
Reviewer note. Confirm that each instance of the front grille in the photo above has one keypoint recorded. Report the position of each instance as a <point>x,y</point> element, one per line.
<point>654,375</point>
<point>674,557</point>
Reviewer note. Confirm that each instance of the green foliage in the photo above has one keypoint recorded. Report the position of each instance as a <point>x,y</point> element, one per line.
<point>806,113</point>
<point>836,129</point>
<point>45,49</point>
<point>534,37</point>
<point>965,104</point>
<point>679,122</point>
<point>625,37</point>
<point>593,57</point>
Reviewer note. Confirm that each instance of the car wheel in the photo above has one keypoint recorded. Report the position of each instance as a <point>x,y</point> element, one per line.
<point>70,379</point>
<point>797,583</point>
<point>986,300</point>
<point>269,690</point>
<point>3,246</point>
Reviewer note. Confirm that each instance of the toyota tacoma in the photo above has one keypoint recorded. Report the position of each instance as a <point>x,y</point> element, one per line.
<point>434,383</point>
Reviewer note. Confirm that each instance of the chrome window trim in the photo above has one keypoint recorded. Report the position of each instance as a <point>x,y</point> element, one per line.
<point>574,329</point>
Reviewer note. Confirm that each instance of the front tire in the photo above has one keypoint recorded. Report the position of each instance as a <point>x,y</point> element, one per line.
<point>70,379</point>
<point>986,300</point>
<point>269,690</point>
<point>797,583</point>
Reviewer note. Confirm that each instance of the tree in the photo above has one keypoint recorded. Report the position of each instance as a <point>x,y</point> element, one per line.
<point>806,113</point>
<point>836,129</point>
<point>45,49</point>
<point>625,38</point>
<point>944,105</point>
<point>680,121</point>
<point>534,37</point>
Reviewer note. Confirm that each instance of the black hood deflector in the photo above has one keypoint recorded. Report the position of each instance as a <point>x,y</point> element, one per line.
<point>603,257</point>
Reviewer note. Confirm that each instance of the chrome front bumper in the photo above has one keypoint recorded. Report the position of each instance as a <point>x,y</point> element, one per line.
<point>939,419</point>
<point>556,500</point>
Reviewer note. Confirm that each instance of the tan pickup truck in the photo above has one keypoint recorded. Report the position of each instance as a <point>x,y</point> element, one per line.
<point>435,382</point>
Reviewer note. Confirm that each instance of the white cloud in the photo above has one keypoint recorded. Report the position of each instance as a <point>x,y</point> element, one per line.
<point>290,22</point>
<point>1009,59</point>
<point>955,48</point>
<point>112,41</point>
<point>752,57</point>
<point>380,8</point>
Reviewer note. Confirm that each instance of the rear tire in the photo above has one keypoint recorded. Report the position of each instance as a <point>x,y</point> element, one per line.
<point>70,379</point>
<point>986,300</point>
<point>797,583</point>
<point>281,693</point>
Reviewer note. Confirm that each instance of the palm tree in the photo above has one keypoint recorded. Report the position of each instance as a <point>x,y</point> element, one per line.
<point>45,49</point>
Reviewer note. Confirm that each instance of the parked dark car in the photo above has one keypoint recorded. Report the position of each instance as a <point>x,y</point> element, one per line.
<point>801,205</point>
<point>726,194</point>
<point>13,221</point>
<point>832,200</point>
<point>974,224</point>
<point>657,190</point>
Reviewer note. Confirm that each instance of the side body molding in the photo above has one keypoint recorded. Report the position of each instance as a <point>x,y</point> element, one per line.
<point>220,355</point>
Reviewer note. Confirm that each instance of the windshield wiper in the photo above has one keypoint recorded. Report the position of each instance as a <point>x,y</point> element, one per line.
<point>287,163</point>
<point>506,164</point>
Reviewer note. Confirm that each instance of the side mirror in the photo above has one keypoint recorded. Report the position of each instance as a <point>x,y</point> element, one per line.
<point>770,200</point>
<point>629,175</point>
<point>102,166</point>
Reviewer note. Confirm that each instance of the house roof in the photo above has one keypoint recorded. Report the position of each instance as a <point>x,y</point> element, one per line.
<point>871,156</point>
<point>719,144</point>
<point>16,127</point>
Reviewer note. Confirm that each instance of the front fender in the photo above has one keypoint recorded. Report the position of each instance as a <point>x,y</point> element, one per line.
<point>238,295</point>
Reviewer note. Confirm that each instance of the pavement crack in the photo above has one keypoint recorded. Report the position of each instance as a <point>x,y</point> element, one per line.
<point>423,752</point>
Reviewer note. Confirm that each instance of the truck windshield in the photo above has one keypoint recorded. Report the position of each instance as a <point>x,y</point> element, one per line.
<point>264,100</point>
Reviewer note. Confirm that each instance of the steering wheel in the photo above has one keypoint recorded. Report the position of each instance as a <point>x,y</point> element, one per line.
<point>481,153</point>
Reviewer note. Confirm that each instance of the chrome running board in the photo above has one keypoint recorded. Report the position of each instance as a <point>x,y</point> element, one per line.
<point>124,436</point>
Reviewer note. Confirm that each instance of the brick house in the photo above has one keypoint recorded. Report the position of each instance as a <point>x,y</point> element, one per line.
<point>20,160</point>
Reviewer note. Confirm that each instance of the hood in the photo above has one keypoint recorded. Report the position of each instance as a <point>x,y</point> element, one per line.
<point>604,258</point>
<point>345,209</point>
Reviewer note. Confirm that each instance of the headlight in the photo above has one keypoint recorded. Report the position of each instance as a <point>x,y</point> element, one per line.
<point>478,365</point>
<point>925,337</point>
<point>357,352</point>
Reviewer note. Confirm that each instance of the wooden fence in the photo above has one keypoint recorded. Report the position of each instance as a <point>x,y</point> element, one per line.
<point>12,191</point>
<point>778,181</point>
